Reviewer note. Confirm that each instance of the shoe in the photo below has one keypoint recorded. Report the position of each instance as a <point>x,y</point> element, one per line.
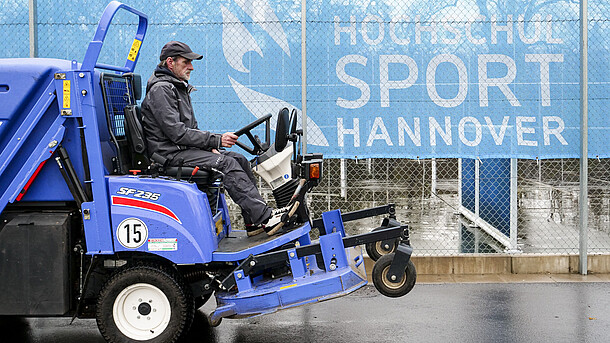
<point>277,219</point>
<point>253,230</point>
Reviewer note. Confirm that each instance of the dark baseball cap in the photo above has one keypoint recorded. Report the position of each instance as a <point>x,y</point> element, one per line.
<point>175,48</point>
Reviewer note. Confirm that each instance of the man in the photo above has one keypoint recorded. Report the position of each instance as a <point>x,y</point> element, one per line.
<point>171,131</point>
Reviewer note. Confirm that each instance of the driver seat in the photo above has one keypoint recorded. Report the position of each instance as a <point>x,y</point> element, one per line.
<point>206,180</point>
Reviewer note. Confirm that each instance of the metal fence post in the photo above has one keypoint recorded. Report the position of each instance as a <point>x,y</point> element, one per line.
<point>513,206</point>
<point>343,179</point>
<point>304,73</point>
<point>477,187</point>
<point>460,203</point>
<point>584,127</point>
<point>33,27</point>
<point>433,186</point>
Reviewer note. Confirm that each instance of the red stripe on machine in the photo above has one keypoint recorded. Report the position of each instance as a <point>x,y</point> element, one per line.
<point>29,183</point>
<point>129,202</point>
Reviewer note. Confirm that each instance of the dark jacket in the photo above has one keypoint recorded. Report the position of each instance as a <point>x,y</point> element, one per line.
<point>168,119</point>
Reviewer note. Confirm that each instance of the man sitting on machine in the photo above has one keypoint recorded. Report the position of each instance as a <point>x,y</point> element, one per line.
<point>171,131</point>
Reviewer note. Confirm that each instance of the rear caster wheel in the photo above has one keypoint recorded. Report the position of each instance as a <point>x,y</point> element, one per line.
<point>403,283</point>
<point>144,303</point>
<point>377,249</point>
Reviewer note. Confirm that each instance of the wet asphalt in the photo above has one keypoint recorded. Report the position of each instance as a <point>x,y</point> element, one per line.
<point>503,312</point>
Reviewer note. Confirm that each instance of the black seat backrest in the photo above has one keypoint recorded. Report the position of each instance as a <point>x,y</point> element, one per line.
<point>135,132</point>
<point>135,138</point>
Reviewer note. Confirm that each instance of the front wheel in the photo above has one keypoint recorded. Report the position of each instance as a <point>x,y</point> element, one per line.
<point>144,303</point>
<point>377,249</point>
<point>393,288</point>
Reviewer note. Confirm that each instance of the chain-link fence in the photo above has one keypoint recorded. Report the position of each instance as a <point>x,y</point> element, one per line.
<point>422,103</point>
<point>14,22</point>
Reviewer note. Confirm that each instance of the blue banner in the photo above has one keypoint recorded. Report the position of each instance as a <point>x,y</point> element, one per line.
<point>421,80</point>
<point>438,79</point>
<point>416,79</point>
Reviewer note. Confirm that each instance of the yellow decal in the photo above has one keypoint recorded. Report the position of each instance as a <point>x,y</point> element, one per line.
<point>66,93</point>
<point>135,48</point>
<point>294,284</point>
<point>218,226</point>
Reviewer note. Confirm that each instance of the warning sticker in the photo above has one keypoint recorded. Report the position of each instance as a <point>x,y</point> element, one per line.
<point>133,52</point>
<point>219,226</point>
<point>66,93</point>
<point>163,244</point>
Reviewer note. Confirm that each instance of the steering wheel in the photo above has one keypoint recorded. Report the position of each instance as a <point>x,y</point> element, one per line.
<point>281,130</point>
<point>257,147</point>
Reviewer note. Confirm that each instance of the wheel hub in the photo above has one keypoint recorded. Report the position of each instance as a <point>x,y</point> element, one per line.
<point>144,309</point>
<point>384,247</point>
<point>391,281</point>
<point>141,311</point>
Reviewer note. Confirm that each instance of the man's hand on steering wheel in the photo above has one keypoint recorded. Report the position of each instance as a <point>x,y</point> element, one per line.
<point>228,139</point>
<point>257,145</point>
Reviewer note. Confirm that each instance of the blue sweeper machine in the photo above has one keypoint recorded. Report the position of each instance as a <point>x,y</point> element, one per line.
<point>91,226</point>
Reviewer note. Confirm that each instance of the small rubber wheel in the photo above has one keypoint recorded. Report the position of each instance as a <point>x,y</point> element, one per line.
<point>393,288</point>
<point>377,249</point>
<point>144,303</point>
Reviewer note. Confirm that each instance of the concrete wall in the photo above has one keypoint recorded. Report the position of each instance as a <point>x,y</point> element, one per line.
<point>505,264</point>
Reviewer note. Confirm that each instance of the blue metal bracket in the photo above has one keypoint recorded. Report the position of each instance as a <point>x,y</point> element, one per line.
<point>310,260</point>
<point>77,100</point>
<point>333,222</point>
<point>95,238</point>
<point>333,251</point>
<point>242,280</point>
<point>297,265</point>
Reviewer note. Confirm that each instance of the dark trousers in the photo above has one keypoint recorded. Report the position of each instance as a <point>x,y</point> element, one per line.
<point>238,180</point>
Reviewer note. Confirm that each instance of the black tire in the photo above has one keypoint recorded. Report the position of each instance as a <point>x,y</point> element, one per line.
<point>144,304</point>
<point>403,285</point>
<point>377,249</point>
